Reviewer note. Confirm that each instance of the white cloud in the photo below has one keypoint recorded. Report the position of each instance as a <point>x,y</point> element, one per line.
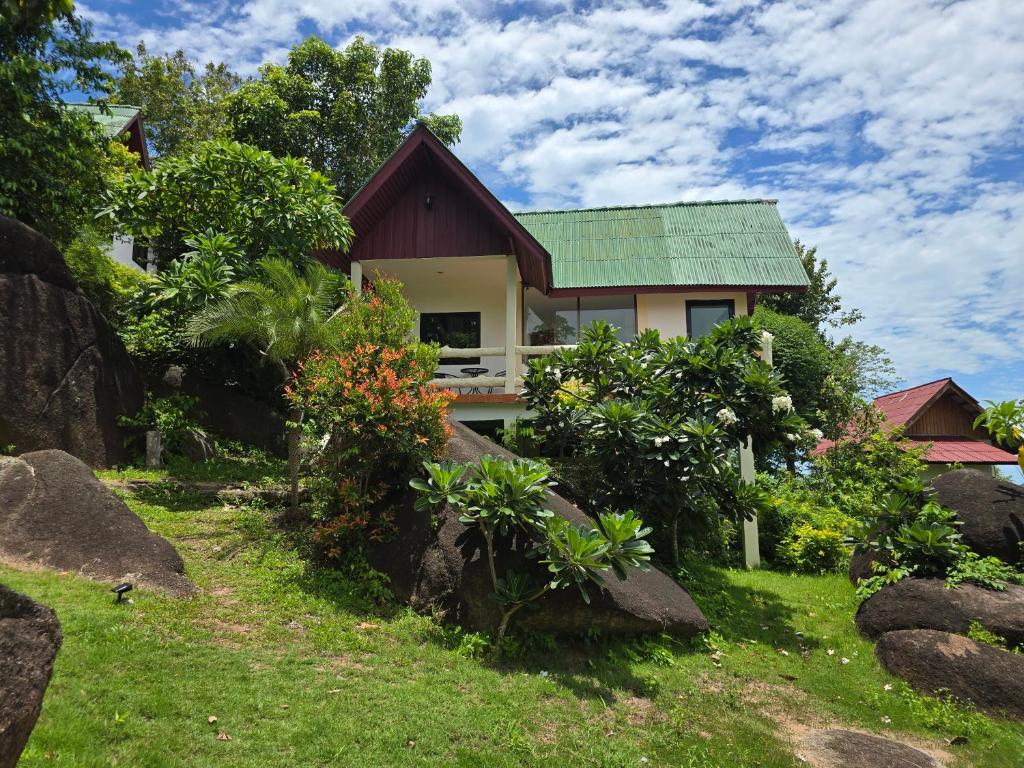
<point>881,127</point>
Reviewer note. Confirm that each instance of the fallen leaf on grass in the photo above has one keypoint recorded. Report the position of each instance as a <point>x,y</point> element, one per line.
<point>223,737</point>
<point>366,625</point>
<point>211,719</point>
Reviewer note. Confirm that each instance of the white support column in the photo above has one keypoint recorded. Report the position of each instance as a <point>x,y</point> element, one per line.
<point>356,275</point>
<point>751,548</point>
<point>511,360</point>
<point>751,545</point>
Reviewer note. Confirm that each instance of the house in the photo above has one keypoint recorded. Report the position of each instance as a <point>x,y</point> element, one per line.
<point>122,120</point>
<point>492,287</point>
<point>938,415</point>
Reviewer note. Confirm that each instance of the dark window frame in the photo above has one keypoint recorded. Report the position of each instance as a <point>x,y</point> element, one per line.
<point>479,334</point>
<point>690,303</point>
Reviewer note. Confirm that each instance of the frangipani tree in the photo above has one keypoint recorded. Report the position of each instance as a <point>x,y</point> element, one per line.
<point>1005,422</point>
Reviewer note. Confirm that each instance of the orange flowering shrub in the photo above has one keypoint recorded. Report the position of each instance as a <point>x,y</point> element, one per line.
<point>373,418</point>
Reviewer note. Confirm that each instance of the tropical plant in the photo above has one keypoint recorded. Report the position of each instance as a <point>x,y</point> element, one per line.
<point>54,161</point>
<point>200,276</point>
<point>1005,422</point>
<point>174,417</point>
<point>344,111</point>
<point>654,425</point>
<point>111,286</point>
<point>500,497</point>
<point>373,418</point>
<point>268,207</point>
<point>287,315</point>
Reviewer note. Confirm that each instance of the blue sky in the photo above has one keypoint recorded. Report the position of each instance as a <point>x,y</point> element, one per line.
<point>892,133</point>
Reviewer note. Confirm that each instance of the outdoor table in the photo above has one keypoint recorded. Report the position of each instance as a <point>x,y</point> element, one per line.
<point>470,373</point>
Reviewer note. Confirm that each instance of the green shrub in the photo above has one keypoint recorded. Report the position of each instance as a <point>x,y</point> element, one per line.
<point>107,284</point>
<point>499,497</point>
<point>799,530</point>
<point>372,419</point>
<point>174,417</point>
<point>814,550</point>
<point>653,425</point>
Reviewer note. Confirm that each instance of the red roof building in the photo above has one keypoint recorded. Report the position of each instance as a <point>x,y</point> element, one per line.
<point>940,415</point>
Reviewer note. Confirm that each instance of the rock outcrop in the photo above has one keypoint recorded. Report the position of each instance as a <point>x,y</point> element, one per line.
<point>65,376</point>
<point>54,512</point>
<point>938,662</point>
<point>929,604</point>
<point>226,411</point>
<point>446,568</point>
<point>30,637</point>
<point>991,512</point>
<point>839,748</point>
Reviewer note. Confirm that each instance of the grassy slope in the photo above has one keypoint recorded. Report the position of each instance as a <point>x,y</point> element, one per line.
<point>300,668</point>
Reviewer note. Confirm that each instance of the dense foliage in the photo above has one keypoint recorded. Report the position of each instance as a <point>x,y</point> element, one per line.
<point>499,498</point>
<point>111,286</point>
<point>344,111</point>
<point>53,160</point>
<point>655,425</point>
<point>798,529</point>
<point>182,106</point>
<point>264,207</point>
<point>909,534</point>
<point>1005,422</point>
<point>373,419</point>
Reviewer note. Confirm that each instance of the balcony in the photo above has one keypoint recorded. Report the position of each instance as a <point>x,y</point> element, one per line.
<point>503,386</point>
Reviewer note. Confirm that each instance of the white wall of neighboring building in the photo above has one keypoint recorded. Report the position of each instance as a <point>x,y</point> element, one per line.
<point>666,312</point>
<point>121,251</point>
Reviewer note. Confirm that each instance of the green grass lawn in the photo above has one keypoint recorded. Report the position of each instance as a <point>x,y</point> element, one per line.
<point>304,667</point>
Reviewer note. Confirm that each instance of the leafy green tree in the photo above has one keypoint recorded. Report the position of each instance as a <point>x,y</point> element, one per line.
<point>53,160</point>
<point>345,111</point>
<point>182,106</point>
<point>285,313</point>
<point>267,206</point>
<point>819,305</point>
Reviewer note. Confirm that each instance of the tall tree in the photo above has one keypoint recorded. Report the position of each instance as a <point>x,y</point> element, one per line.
<point>345,111</point>
<point>182,106</point>
<point>819,305</point>
<point>53,160</point>
<point>287,314</point>
<point>265,205</point>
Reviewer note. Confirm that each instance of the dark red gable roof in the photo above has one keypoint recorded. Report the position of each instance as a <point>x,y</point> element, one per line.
<point>903,408</point>
<point>423,202</point>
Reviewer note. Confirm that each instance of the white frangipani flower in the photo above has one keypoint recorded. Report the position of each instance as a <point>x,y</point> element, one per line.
<point>727,416</point>
<point>782,404</point>
<point>817,434</point>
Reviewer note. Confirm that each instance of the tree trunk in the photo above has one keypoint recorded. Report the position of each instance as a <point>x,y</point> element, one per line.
<point>294,459</point>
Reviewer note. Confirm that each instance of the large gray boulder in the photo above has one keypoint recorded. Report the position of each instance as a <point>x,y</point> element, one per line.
<point>446,569</point>
<point>65,377</point>
<point>992,511</point>
<point>840,748</point>
<point>939,662</point>
<point>53,511</point>
<point>29,639</point>
<point>929,604</point>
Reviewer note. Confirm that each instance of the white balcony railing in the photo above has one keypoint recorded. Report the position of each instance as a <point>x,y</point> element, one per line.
<point>511,381</point>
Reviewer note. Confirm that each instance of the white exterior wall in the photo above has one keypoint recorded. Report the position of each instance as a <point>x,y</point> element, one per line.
<point>121,251</point>
<point>666,312</point>
<point>457,284</point>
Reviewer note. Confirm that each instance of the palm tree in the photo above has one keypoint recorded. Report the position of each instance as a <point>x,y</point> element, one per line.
<point>287,314</point>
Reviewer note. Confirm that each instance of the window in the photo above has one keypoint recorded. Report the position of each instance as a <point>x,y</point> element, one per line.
<point>619,311</point>
<point>551,320</point>
<point>702,316</point>
<point>452,329</point>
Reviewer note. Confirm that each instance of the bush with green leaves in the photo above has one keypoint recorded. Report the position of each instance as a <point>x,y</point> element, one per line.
<point>173,417</point>
<point>655,425</point>
<point>499,497</point>
<point>1005,422</point>
<point>111,286</point>
<point>800,530</point>
<point>910,534</point>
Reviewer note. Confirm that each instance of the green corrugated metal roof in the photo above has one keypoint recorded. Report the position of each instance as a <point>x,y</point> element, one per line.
<point>741,243</point>
<point>114,119</point>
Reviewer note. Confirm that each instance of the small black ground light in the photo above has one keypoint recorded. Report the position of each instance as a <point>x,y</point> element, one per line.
<point>121,590</point>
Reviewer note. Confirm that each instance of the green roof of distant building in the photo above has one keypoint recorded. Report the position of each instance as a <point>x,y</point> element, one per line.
<point>739,243</point>
<point>115,118</point>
